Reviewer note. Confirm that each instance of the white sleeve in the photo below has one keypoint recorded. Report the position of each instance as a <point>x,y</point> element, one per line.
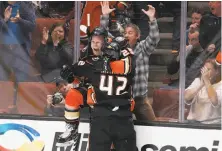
<point>219,94</point>
<point>194,84</point>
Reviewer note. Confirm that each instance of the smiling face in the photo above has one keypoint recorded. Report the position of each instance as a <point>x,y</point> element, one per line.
<point>58,33</point>
<point>96,44</point>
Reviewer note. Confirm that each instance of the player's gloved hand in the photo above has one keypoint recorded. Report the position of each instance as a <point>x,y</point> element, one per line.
<point>67,74</point>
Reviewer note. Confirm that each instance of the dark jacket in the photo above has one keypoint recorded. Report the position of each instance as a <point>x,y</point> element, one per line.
<point>27,22</point>
<point>210,31</point>
<point>52,58</point>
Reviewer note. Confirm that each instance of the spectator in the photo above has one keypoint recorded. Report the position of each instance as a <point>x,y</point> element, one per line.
<point>205,95</point>
<point>56,101</point>
<point>195,23</point>
<point>54,51</point>
<point>142,50</point>
<point>191,72</point>
<point>17,21</point>
<point>210,28</point>
<point>193,51</point>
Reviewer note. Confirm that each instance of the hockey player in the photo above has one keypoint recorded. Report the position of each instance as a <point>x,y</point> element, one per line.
<point>89,53</point>
<point>110,97</point>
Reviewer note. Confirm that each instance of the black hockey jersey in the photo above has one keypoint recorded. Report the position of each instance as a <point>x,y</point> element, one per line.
<point>110,80</point>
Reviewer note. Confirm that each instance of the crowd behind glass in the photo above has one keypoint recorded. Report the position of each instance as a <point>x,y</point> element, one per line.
<point>36,40</point>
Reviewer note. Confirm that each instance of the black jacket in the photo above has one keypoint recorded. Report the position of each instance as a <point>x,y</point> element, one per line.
<point>51,58</point>
<point>210,31</point>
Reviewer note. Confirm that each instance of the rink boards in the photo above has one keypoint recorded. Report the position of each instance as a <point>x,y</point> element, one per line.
<point>40,135</point>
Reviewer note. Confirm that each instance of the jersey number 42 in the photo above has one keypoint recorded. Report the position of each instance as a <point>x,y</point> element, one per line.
<point>113,84</point>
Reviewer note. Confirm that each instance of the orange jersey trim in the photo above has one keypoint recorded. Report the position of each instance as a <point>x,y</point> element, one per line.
<point>218,58</point>
<point>91,96</point>
<point>74,98</point>
<point>117,67</point>
<point>132,103</point>
<point>122,66</point>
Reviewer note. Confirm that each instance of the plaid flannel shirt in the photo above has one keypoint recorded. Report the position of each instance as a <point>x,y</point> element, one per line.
<point>142,50</point>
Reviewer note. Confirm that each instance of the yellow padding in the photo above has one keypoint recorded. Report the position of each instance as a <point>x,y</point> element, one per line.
<point>71,115</point>
<point>36,145</point>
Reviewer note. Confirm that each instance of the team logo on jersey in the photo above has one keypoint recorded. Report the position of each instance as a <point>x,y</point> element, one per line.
<point>81,63</point>
<point>95,58</point>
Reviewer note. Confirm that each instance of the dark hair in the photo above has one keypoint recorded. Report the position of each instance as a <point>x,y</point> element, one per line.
<point>197,10</point>
<point>53,27</point>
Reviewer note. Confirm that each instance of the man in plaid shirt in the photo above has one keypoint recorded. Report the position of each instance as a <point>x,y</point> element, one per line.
<point>142,50</point>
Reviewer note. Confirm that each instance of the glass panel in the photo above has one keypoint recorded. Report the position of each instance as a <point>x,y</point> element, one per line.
<point>203,89</point>
<point>163,81</point>
<point>30,64</point>
<point>32,54</point>
<point>181,61</point>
